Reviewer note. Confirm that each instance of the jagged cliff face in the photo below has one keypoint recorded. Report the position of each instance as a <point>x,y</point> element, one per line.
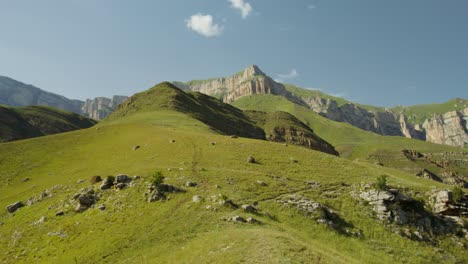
<point>447,129</point>
<point>101,107</point>
<point>14,93</point>
<point>450,128</point>
<point>228,89</point>
<point>381,122</point>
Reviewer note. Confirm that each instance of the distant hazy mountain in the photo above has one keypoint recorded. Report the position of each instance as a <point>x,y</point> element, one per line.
<point>15,93</point>
<point>439,123</point>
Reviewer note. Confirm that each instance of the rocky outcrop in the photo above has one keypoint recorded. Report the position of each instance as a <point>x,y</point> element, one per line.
<point>100,107</point>
<point>14,93</point>
<point>228,89</point>
<point>450,128</point>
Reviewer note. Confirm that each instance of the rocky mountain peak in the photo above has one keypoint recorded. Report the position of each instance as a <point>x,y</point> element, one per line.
<point>253,70</point>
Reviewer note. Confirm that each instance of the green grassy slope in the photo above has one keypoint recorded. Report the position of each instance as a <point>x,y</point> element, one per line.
<point>179,144</point>
<point>418,113</point>
<point>33,121</point>
<point>221,117</point>
<point>284,127</point>
<point>178,230</point>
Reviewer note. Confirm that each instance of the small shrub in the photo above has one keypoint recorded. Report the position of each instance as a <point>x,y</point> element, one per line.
<point>157,178</point>
<point>381,183</point>
<point>457,194</point>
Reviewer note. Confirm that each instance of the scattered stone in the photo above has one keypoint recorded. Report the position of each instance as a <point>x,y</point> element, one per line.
<point>26,179</point>
<point>236,218</point>
<point>156,195</point>
<point>190,184</point>
<point>79,208</point>
<point>172,141</point>
<point>40,221</point>
<point>80,181</point>
<point>95,179</point>
<point>121,185</point>
<point>102,207</point>
<point>217,186</point>
<point>249,208</point>
<point>122,178</point>
<point>136,177</point>
<point>60,213</point>
<point>251,159</point>
<point>136,147</point>
<point>428,175</point>
<point>107,183</point>
<point>15,206</point>
<point>261,183</point>
<point>213,143</point>
<point>86,200</point>
<point>252,220</point>
<point>412,154</point>
<point>58,233</point>
<point>197,198</point>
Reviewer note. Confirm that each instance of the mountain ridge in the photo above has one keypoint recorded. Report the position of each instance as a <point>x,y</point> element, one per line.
<point>380,120</point>
<point>16,93</point>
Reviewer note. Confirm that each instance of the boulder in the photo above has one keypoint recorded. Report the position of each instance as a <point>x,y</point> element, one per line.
<point>190,184</point>
<point>122,178</point>
<point>95,179</point>
<point>197,198</point>
<point>261,183</point>
<point>156,195</point>
<point>86,200</point>
<point>249,208</point>
<point>251,159</point>
<point>14,206</point>
<point>441,202</point>
<point>107,183</point>
<point>121,185</point>
<point>60,213</point>
<point>236,218</point>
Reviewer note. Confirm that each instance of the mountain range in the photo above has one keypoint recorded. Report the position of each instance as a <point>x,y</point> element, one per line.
<point>445,123</point>
<point>15,93</point>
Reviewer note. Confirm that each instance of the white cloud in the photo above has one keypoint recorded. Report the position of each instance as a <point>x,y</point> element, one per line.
<point>244,7</point>
<point>292,74</point>
<point>311,7</point>
<point>204,25</point>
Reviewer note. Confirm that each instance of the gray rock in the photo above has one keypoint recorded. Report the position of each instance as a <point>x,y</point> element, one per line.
<point>14,206</point>
<point>251,159</point>
<point>156,195</point>
<point>261,183</point>
<point>121,185</point>
<point>40,221</point>
<point>249,208</point>
<point>79,208</point>
<point>236,218</point>
<point>252,220</point>
<point>190,184</point>
<point>86,200</point>
<point>136,147</point>
<point>102,207</point>
<point>26,179</point>
<point>60,213</point>
<point>122,178</point>
<point>197,198</point>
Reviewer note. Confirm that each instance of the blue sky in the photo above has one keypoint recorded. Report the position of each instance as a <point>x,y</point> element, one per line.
<point>371,51</point>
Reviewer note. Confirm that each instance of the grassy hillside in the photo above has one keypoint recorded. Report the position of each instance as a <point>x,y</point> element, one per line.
<point>356,144</point>
<point>418,113</point>
<point>178,230</point>
<point>221,117</point>
<point>284,127</point>
<point>33,121</point>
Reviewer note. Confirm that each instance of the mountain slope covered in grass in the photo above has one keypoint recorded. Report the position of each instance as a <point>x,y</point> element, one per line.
<point>33,121</point>
<point>214,205</point>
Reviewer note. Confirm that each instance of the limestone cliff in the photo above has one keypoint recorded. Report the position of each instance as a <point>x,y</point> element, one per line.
<point>100,107</point>
<point>248,82</point>
<point>14,93</point>
<point>450,128</point>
